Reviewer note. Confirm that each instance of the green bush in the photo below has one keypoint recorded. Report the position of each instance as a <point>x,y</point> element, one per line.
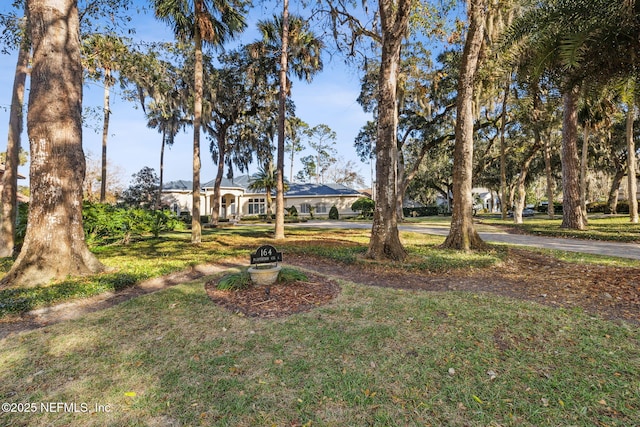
<point>365,206</point>
<point>333,213</point>
<point>235,281</point>
<point>292,211</point>
<point>105,223</point>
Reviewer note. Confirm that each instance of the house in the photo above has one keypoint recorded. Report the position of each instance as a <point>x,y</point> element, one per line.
<point>236,200</point>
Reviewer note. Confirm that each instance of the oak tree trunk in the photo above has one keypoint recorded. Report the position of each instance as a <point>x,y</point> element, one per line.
<point>385,238</point>
<point>612,201</point>
<point>54,245</point>
<point>572,215</point>
<point>462,234</point>
<point>583,168</point>
<point>549,175</point>
<point>8,197</point>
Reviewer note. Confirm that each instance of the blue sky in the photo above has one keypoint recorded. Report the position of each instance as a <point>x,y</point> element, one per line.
<point>329,99</point>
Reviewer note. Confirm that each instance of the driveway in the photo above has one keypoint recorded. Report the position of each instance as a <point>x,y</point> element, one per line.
<point>622,250</point>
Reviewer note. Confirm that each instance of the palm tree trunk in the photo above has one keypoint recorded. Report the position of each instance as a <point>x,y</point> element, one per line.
<point>572,215</point>
<point>54,245</point>
<point>105,135</point>
<point>196,226</point>
<point>612,201</point>
<point>503,150</point>
<point>631,165</point>
<point>279,228</point>
<point>8,197</point>
<point>159,197</point>
<point>462,234</point>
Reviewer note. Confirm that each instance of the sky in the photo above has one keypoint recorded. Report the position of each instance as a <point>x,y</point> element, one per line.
<point>330,99</point>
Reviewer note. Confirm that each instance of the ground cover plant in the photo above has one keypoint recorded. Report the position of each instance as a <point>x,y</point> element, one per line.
<point>383,351</point>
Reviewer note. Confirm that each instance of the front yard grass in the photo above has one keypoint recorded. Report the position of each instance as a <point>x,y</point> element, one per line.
<point>373,357</point>
<point>615,228</point>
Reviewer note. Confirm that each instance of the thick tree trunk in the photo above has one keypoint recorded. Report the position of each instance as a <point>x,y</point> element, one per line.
<point>284,61</point>
<point>8,198</point>
<point>385,238</point>
<point>54,245</point>
<point>196,226</point>
<point>462,234</point>
<point>572,215</point>
<point>631,165</point>
<point>105,135</point>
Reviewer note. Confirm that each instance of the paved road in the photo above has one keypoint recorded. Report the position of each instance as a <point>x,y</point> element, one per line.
<point>623,250</point>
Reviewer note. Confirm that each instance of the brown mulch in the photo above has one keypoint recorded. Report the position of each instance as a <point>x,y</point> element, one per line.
<point>610,292</point>
<point>277,300</point>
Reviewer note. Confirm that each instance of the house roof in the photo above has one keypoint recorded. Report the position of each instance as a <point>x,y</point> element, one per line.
<point>243,182</point>
<point>302,190</point>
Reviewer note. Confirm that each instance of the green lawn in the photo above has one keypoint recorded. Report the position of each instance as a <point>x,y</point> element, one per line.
<point>611,228</point>
<point>373,357</point>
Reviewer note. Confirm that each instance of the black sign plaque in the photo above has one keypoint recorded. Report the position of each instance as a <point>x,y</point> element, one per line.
<point>266,254</point>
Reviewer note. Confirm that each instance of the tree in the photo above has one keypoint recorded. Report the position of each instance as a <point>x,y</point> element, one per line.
<point>322,139</point>
<point>364,205</point>
<point>298,49</point>
<point>54,245</point>
<point>200,21</point>
<point>239,100</point>
<point>293,143</point>
<point>104,55</point>
<point>8,197</point>
<point>266,180</point>
<point>143,189</point>
<point>462,234</point>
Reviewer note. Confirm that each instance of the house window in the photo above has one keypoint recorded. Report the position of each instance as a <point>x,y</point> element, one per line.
<point>321,208</point>
<point>256,206</point>
<point>305,208</point>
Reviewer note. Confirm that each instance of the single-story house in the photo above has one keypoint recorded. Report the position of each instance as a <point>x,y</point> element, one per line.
<point>236,200</point>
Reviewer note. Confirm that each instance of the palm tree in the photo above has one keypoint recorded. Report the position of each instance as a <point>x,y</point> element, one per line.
<point>266,180</point>
<point>200,21</point>
<point>299,50</point>
<point>103,54</point>
<point>589,42</point>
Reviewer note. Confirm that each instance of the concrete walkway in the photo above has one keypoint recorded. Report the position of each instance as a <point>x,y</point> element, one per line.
<point>622,250</point>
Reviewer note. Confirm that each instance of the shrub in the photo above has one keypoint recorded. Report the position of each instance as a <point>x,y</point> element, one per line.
<point>235,281</point>
<point>292,211</point>
<point>365,206</point>
<point>288,274</point>
<point>333,213</point>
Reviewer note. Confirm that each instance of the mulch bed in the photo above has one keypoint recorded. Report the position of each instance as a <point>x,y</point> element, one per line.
<point>277,300</point>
